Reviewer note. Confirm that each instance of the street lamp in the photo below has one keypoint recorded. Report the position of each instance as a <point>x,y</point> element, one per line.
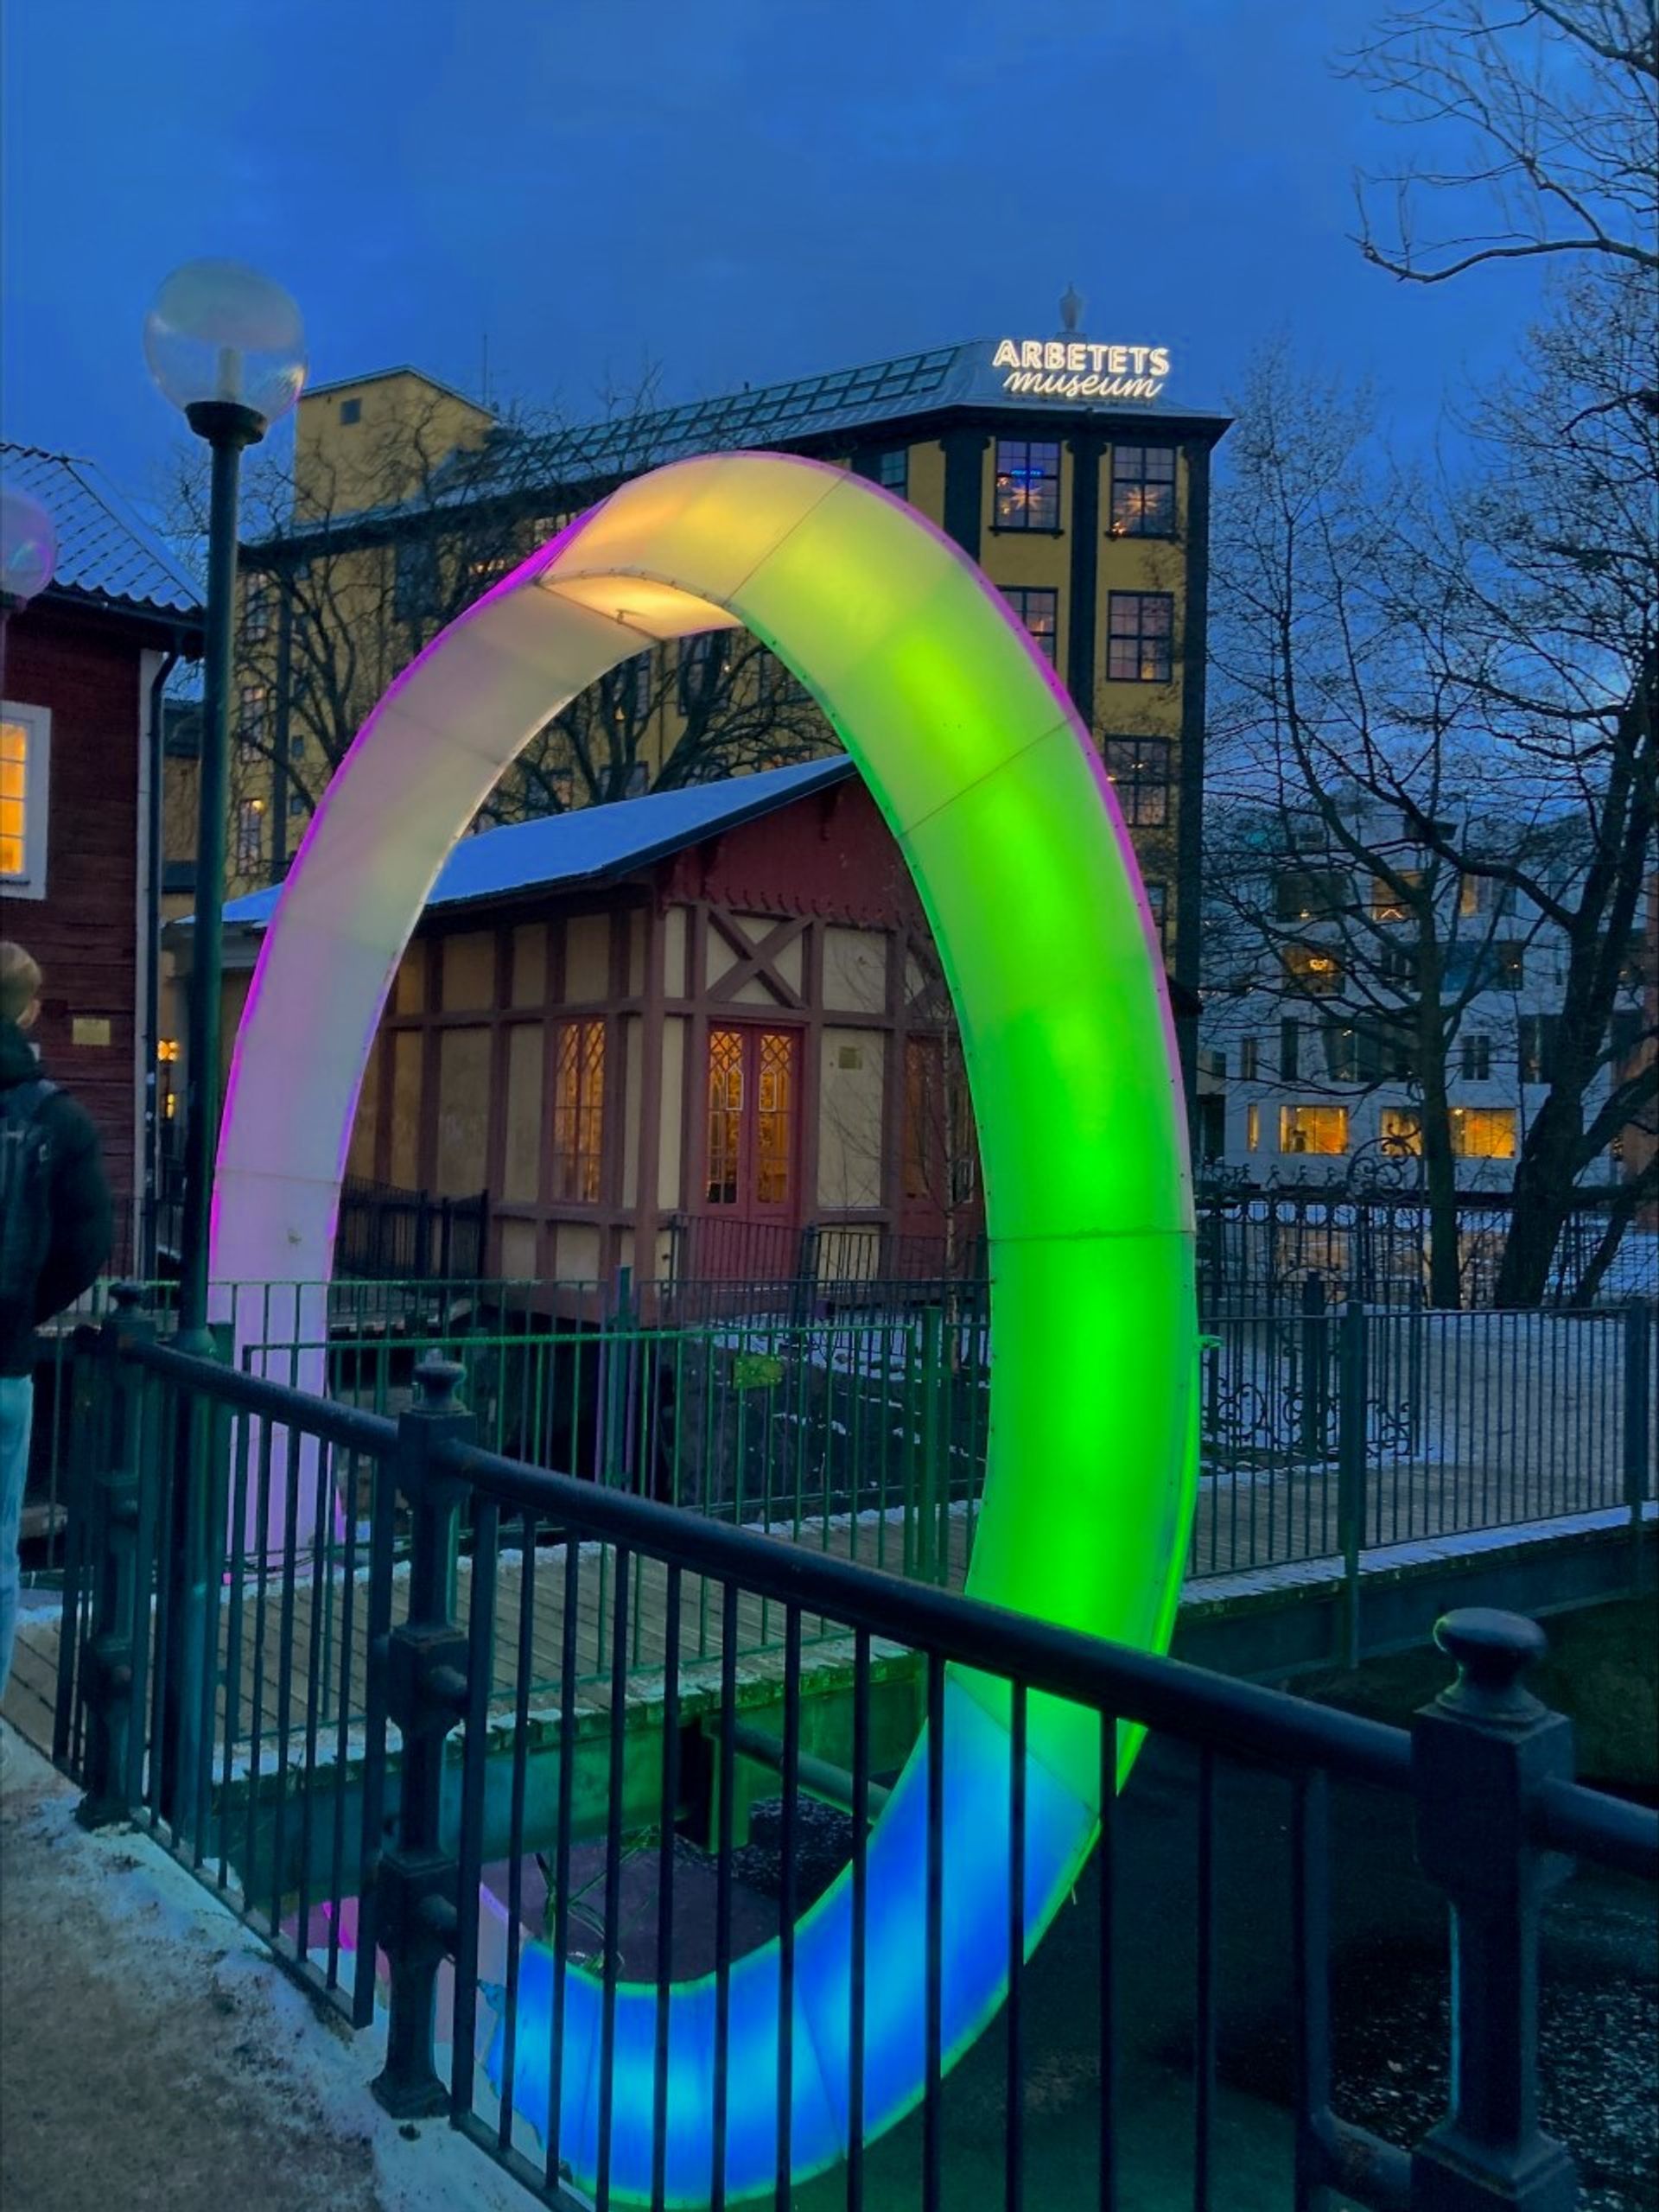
<point>227,348</point>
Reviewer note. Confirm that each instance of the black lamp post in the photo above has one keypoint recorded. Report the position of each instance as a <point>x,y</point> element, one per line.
<point>227,348</point>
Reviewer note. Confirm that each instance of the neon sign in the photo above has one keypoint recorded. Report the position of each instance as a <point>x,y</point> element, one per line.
<point>1076,368</point>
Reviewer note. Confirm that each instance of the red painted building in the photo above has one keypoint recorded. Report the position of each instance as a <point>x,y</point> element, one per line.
<point>82,677</point>
<point>675,1034</point>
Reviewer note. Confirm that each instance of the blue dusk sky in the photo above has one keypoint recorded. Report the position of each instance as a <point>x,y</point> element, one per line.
<point>730,190</point>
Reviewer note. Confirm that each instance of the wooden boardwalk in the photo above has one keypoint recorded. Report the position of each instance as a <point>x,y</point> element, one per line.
<point>1276,1527</point>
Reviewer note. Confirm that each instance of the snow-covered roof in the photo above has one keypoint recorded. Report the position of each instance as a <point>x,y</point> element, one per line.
<point>105,554</point>
<point>593,843</point>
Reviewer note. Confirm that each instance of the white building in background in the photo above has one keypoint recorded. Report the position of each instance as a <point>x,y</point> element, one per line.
<point>1306,1070</point>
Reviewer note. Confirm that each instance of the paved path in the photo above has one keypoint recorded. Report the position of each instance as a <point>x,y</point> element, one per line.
<point>152,2061</point>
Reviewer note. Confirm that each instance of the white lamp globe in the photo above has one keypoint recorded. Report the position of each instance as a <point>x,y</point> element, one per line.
<point>219,332</point>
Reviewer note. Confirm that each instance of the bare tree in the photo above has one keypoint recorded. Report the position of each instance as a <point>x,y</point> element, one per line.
<point>352,565</point>
<point>1432,720</point>
<point>1539,122</point>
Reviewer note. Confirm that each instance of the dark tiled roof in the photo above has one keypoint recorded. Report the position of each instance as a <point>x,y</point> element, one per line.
<point>105,554</point>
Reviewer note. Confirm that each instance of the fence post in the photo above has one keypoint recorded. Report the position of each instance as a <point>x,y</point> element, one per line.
<point>1353,1386</point>
<point>416,1901</point>
<point>107,1688</point>
<point>1315,1350</point>
<point>1639,1384</point>
<point>1480,1754</point>
<point>931,1505</point>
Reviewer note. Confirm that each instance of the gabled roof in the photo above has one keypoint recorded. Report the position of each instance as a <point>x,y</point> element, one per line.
<point>594,844</point>
<point>105,556</point>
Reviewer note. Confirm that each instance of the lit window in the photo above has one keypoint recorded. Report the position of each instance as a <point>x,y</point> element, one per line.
<point>893,471</point>
<point>1392,904</point>
<point>774,1123</point>
<point>578,1111</point>
<point>1143,492</point>
<point>250,834</point>
<point>1039,612</point>
<point>1028,484</point>
<point>1483,1132</point>
<point>1252,1127</point>
<point>25,750</point>
<point>1138,770</point>
<point>1139,643</point>
<point>1313,1129</point>
<point>1469,896</point>
<point>1401,1133</point>
<point>725,1114</point>
<point>1310,894</point>
<point>1309,968</point>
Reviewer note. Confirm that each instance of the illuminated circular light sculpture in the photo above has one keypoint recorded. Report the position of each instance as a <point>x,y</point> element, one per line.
<point>996,796</point>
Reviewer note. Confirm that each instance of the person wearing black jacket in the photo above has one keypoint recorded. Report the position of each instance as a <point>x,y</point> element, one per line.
<point>78,1207</point>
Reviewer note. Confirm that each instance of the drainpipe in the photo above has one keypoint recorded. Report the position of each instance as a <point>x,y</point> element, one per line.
<point>148,1255</point>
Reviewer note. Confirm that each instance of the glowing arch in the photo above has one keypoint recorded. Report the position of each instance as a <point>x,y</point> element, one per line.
<point>996,796</point>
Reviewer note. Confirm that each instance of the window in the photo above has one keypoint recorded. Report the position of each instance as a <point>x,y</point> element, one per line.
<point>1305,894</point>
<point>1138,771</point>
<point>255,611</point>
<point>1401,1129</point>
<point>295,805</point>
<point>774,1130</point>
<point>1322,1129</point>
<point>1538,1037</point>
<point>25,773</point>
<point>725,1115</point>
<point>1312,970</point>
<point>1039,612</point>
<point>1483,1132</point>
<point>893,471</point>
<point>1290,1033</point>
<point>250,834</point>
<point>1373,1051</point>
<point>1477,1057</point>
<point>1252,1127</point>
<point>1028,484</point>
<point>1389,904</point>
<point>1143,490</point>
<point>1158,899</point>
<point>253,717</point>
<point>1509,964</point>
<point>1248,1059</point>
<point>1398,966</point>
<point>1140,626</point>
<point>627,690</point>
<point>415,579</point>
<point>702,659</point>
<point>351,411</point>
<point>578,1111</point>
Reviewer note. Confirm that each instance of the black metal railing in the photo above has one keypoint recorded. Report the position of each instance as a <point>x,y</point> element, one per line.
<point>467,1741</point>
<point>387,1234</point>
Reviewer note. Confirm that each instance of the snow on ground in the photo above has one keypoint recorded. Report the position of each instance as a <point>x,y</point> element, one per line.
<point>154,2058</point>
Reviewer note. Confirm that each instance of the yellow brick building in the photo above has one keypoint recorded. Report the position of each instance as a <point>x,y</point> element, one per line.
<point>1058,464</point>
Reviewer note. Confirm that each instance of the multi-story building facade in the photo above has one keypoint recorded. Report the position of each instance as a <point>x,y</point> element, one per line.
<point>1316,1043</point>
<point>1057,464</point>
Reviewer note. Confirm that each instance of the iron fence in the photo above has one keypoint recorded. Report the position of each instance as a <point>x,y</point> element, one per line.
<point>475,1793</point>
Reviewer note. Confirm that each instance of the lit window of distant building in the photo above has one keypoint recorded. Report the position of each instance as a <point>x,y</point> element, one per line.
<point>1028,484</point>
<point>1040,611</point>
<point>1143,490</point>
<point>25,749</point>
<point>1483,1132</point>
<point>1313,1128</point>
<point>1140,637</point>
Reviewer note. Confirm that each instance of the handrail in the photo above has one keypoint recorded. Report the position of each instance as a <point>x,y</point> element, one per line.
<point>1159,1693</point>
<point>1569,1817</point>
<point>348,1427</point>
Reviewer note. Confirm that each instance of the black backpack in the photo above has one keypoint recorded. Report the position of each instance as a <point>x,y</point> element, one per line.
<point>25,1197</point>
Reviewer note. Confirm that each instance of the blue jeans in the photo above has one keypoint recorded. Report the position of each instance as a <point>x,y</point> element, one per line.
<point>16,1415</point>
